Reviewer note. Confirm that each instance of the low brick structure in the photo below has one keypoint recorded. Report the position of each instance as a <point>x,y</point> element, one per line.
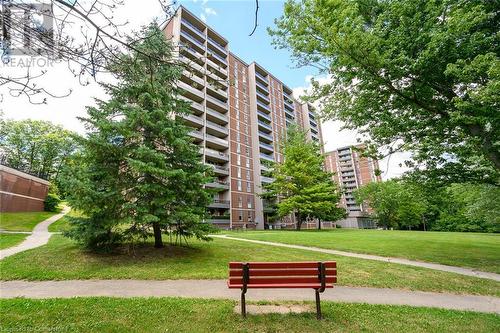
<point>21,192</point>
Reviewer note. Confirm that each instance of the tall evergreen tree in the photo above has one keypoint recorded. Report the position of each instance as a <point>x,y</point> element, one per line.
<point>301,185</point>
<point>139,171</point>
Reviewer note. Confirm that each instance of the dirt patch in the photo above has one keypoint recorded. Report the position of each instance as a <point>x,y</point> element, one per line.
<point>283,309</point>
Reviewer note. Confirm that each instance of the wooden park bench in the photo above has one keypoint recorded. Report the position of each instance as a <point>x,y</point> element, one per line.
<point>314,275</point>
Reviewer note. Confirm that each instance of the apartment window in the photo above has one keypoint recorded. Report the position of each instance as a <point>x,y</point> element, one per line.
<point>246,129</point>
<point>249,204</point>
<point>240,202</point>
<point>239,185</point>
<point>247,163</point>
<point>247,151</point>
<point>240,215</point>
<point>238,159</point>
<point>248,174</point>
<point>250,216</point>
<point>238,148</point>
<point>237,136</point>
<point>239,172</point>
<point>246,140</point>
<point>249,187</point>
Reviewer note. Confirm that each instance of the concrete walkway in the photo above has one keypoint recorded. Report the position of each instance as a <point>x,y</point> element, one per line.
<point>40,236</point>
<point>439,267</point>
<point>218,289</point>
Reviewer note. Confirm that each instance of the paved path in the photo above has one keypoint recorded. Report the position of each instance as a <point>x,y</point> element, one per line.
<point>218,289</point>
<point>439,267</point>
<point>40,236</point>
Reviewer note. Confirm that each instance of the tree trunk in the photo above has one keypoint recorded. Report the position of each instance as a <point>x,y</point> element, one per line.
<point>487,145</point>
<point>319,224</point>
<point>157,233</point>
<point>299,221</point>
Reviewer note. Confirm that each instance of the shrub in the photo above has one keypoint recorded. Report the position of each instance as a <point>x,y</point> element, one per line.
<point>51,202</point>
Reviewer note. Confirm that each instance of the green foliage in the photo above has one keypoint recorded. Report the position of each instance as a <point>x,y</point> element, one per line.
<point>394,204</point>
<point>301,186</point>
<point>421,76</point>
<point>139,170</point>
<point>35,146</point>
<point>52,202</point>
<point>470,207</point>
<point>405,204</point>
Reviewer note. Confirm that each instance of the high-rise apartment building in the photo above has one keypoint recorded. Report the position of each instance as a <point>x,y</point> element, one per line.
<point>351,171</point>
<point>240,113</point>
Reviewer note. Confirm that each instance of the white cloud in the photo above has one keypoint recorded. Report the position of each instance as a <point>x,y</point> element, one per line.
<point>203,17</point>
<point>335,137</point>
<point>210,11</point>
<point>204,2</point>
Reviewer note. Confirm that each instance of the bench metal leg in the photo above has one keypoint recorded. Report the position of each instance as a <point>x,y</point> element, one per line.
<point>243,305</point>
<point>318,305</point>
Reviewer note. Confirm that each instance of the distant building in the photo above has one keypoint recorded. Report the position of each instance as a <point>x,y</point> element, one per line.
<point>351,171</point>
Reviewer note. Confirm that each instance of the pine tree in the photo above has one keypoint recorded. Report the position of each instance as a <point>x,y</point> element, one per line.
<point>301,186</point>
<point>139,170</point>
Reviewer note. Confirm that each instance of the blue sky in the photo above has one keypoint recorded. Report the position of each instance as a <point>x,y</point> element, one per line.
<point>234,20</point>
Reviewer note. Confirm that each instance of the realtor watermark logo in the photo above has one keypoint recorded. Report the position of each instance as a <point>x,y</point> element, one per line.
<point>27,30</point>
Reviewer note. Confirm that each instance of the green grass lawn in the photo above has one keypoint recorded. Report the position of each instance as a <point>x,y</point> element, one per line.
<point>24,221</point>
<point>62,259</point>
<point>8,240</point>
<point>62,224</point>
<point>198,315</point>
<point>475,250</point>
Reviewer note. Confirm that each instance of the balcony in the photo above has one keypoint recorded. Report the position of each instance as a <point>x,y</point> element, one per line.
<point>218,46</point>
<point>266,136</point>
<point>192,120</point>
<point>314,130</point>
<point>217,203</point>
<point>260,76</point>
<point>215,142</point>
<point>192,65</point>
<point>264,168</point>
<point>196,135</point>
<point>193,28</point>
<point>197,108</point>
<point>264,115</point>
<point>192,53</point>
<point>194,42</point>
<point>191,92</point>
<point>217,117</point>
<point>262,86</point>
<point>289,107</point>
<point>313,122</point>
<point>189,77</point>
<point>289,114</point>
<point>265,126</point>
<point>263,106</point>
<point>218,184</point>
<point>267,157</point>
<point>266,147</point>
<point>217,68</point>
<point>218,58</point>
<point>216,155</point>
<point>219,93</point>
<point>217,104</point>
<point>287,101</point>
<point>216,129</point>
<point>219,169</point>
<point>266,180</point>
<point>264,98</point>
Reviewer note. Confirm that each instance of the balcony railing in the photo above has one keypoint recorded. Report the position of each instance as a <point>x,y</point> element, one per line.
<point>216,154</point>
<point>218,115</point>
<point>217,102</point>
<point>264,106</point>
<point>217,203</point>
<point>265,145</point>
<point>195,28</point>
<point>192,39</point>
<point>265,179</point>
<point>265,125</point>
<point>217,140</point>
<point>260,76</point>
<point>265,135</point>
<point>217,127</point>
<point>267,157</point>
<point>264,115</point>
<point>218,46</point>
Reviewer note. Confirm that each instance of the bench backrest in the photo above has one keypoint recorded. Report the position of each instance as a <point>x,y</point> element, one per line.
<point>306,274</point>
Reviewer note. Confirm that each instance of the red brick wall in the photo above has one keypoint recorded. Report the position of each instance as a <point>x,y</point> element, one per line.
<point>21,192</point>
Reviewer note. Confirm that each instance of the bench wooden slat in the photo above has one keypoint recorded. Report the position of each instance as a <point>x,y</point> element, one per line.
<point>263,265</point>
<point>281,280</point>
<point>282,272</point>
<point>296,285</point>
